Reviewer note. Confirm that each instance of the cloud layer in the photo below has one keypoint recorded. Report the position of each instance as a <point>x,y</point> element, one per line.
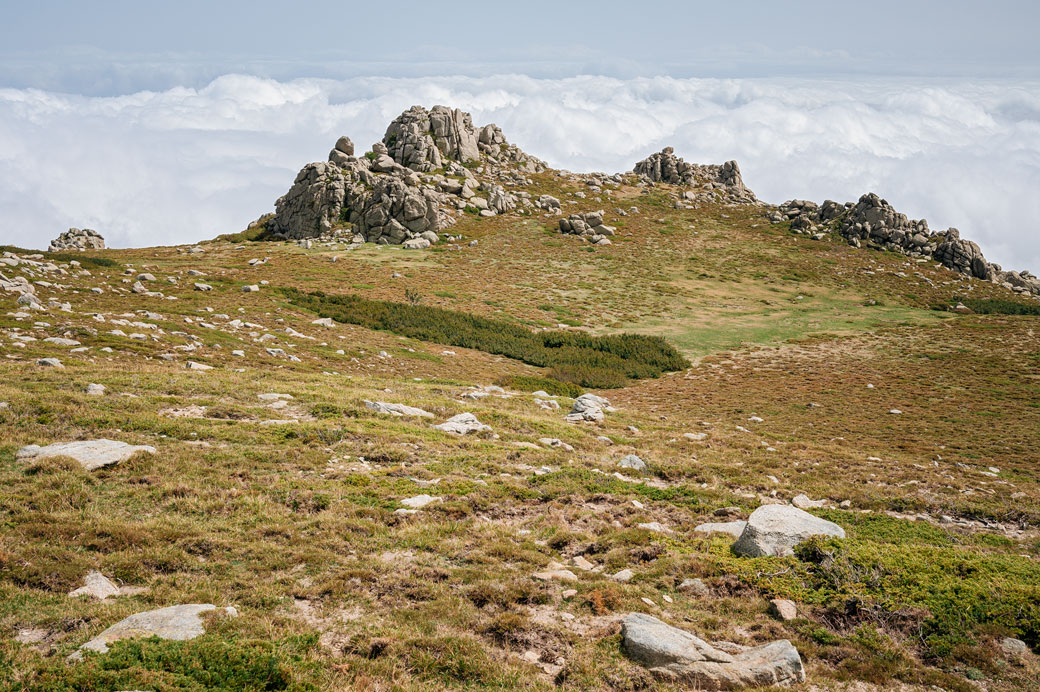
<point>184,164</point>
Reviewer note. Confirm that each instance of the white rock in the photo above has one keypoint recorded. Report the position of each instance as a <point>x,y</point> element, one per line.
<point>396,409</point>
<point>420,501</point>
<point>462,424</point>
<point>682,659</point>
<point>733,528</point>
<point>179,623</point>
<point>96,389</point>
<point>777,529</point>
<point>91,454</point>
<point>97,585</point>
<point>631,461</point>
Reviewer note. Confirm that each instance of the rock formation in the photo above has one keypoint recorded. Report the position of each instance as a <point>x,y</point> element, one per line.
<point>408,188</point>
<point>77,239</point>
<point>589,226</point>
<point>721,182</point>
<point>873,221</point>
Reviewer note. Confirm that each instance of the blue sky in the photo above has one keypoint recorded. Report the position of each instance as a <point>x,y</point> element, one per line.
<point>163,123</point>
<point>122,46</point>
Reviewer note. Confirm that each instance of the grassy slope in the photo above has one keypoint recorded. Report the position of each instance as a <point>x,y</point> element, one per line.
<point>294,524</point>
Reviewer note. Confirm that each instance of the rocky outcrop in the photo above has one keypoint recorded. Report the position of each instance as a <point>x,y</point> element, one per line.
<point>717,182</point>
<point>422,139</point>
<point>681,658</point>
<point>77,239</point>
<point>589,226</point>
<point>425,140</point>
<point>410,186</point>
<point>874,222</point>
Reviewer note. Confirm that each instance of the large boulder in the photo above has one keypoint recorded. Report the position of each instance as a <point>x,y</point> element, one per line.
<point>78,239</point>
<point>91,454</point>
<point>777,529</point>
<point>179,623</point>
<point>681,658</point>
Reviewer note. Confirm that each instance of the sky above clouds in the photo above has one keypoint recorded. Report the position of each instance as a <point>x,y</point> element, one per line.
<point>161,123</point>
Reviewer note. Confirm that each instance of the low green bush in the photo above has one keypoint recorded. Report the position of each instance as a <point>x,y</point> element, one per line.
<point>533,383</point>
<point>590,361</point>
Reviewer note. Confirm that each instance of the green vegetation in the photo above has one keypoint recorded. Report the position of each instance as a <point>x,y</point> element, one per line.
<point>206,663</point>
<point>533,383</point>
<point>998,306</point>
<point>82,258</point>
<point>590,361</point>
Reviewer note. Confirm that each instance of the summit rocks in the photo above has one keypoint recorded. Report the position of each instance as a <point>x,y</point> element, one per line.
<point>873,221</point>
<point>721,182</point>
<point>77,239</point>
<point>397,194</point>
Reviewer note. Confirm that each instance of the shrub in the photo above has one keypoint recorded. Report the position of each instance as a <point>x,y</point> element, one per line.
<point>533,383</point>
<point>590,361</point>
<point>997,306</point>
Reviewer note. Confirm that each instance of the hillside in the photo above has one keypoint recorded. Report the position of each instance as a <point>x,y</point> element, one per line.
<point>770,357</point>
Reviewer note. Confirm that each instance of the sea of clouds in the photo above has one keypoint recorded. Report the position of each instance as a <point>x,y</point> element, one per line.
<point>182,165</point>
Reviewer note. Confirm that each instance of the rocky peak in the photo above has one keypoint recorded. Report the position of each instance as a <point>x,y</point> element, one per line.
<point>426,140</point>
<point>78,239</point>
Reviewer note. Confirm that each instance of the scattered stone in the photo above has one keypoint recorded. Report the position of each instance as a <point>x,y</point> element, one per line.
<point>733,528</point>
<point>631,461</point>
<point>777,529</point>
<point>252,288</point>
<point>695,587</point>
<point>91,454</point>
<point>589,407</point>
<point>623,576</point>
<point>556,572</point>
<point>803,502</point>
<point>179,623</point>
<point>97,585</point>
<point>681,658</point>
<point>463,424</point>
<point>202,287</point>
<point>695,437</point>
<point>96,389</point>
<point>49,363</point>
<point>783,609</point>
<point>192,365</point>
<point>556,443</point>
<point>396,409</point>
<point>420,501</point>
<point>1015,648</point>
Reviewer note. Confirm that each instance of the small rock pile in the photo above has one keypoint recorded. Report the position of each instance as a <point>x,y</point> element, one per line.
<point>589,226</point>
<point>873,221</point>
<point>722,183</point>
<point>77,239</point>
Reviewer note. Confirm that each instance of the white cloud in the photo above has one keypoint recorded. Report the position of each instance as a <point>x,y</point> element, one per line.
<point>186,164</point>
